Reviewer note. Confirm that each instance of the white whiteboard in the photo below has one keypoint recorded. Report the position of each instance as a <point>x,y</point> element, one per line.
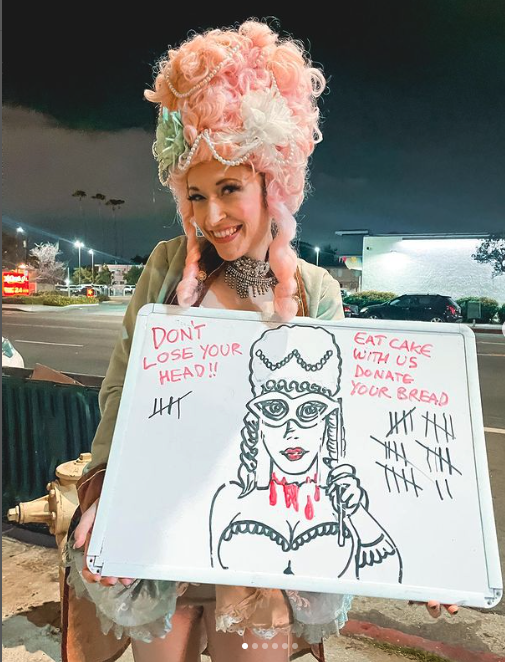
<point>342,457</point>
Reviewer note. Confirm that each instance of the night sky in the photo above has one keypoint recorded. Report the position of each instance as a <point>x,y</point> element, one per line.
<point>414,117</point>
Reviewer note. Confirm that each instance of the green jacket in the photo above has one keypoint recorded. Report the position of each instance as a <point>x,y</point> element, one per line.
<point>157,284</point>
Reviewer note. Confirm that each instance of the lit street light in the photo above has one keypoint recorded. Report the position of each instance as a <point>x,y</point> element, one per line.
<point>92,253</point>
<point>317,249</point>
<point>20,231</point>
<point>79,245</point>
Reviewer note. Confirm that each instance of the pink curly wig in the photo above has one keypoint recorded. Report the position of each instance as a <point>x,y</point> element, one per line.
<point>217,106</point>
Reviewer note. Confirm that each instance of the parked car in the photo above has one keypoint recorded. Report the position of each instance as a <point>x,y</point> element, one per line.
<point>351,310</point>
<point>82,291</point>
<point>11,358</point>
<point>129,289</point>
<point>422,307</point>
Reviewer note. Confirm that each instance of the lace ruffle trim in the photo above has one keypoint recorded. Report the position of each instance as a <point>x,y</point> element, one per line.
<point>143,610</point>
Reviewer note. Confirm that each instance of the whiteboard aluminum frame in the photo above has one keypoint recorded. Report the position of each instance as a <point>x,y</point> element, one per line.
<point>490,595</point>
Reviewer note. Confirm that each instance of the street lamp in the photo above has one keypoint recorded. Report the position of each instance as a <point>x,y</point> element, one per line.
<point>19,231</point>
<point>317,249</point>
<point>79,245</point>
<point>92,253</point>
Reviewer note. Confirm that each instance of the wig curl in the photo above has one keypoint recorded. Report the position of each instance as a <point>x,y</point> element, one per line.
<point>218,68</point>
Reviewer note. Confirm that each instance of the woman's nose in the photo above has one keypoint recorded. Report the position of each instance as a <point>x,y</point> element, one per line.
<point>215,213</point>
<point>290,427</point>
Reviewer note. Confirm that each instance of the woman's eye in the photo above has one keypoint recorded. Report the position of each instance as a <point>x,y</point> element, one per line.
<point>273,409</point>
<point>231,188</point>
<point>309,411</point>
<point>195,197</point>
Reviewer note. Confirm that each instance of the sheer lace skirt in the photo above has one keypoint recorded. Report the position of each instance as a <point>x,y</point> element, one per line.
<point>143,610</point>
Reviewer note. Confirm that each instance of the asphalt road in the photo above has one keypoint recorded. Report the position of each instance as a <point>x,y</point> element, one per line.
<point>80,340</point>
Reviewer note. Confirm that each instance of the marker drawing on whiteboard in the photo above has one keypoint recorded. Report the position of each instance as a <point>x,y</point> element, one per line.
<point>173,403</point>
<point>292,489</point>
<point>395,421</point>
<point>446,428</point>
<point>441,459</point>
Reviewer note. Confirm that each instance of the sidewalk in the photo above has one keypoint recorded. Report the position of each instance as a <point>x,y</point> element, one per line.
<point>46,309</point>
<point>378,630</point>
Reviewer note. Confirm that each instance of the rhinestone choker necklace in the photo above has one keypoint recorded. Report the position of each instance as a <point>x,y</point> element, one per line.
<point>245,273</point>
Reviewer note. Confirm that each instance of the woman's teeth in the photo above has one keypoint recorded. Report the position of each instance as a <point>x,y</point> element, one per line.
<point>226,233</point>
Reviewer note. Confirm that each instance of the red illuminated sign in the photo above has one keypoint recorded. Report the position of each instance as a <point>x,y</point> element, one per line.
<point>90,292</point>
<point>15,282</point>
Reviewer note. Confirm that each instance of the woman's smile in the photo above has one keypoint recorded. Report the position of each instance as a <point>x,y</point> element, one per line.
<point>226,235</point>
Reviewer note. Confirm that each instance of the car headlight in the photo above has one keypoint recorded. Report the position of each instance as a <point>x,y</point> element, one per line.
<point>364,310</point>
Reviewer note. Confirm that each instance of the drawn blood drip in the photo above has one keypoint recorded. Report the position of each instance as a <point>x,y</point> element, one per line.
<point>309,508</point>
<point>291,494</point>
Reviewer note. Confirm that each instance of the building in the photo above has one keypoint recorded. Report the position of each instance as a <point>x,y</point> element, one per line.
<point>118,280</point>
<point>428,263</point>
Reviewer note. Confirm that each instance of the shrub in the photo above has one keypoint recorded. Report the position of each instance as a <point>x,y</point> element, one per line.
<point>103,297</point>
<point>49,299</point>
<point>489,308</point>
<point>362,299</point>
<point>501,313</point>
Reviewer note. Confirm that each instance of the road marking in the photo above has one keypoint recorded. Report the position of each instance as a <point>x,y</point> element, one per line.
<point>51,326</point>
<point>39,342</point>
<point>483,354</point>
<point>491,343</point>
<point>495,430</point>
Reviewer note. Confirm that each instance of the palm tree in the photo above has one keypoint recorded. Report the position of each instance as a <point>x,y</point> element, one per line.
<point>100,197</point>
<point>115,203</point>
<point>81,195</point>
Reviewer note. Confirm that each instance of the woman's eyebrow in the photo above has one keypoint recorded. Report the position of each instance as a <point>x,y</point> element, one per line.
<point>221,181</point>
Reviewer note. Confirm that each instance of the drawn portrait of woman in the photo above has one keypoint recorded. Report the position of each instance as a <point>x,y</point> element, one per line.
<point>295,506</point>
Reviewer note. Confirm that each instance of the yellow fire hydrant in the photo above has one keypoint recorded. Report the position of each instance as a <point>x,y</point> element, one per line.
<point>56,508</point>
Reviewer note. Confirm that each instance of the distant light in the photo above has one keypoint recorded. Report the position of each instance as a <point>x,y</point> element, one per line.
<point>78,244</point>
<point>20,229</point>
<point>91,251</point>
<point>67,281</point>
<point>23,266</point>
<point>317,249</point>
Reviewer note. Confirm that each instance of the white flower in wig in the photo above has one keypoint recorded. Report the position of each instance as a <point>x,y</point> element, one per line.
<point>268,118</point>
<point>267,122</point>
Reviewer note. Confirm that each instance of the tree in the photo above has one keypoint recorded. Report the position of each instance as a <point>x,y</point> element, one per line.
<point>327,257</point>
<point>81,195</point>
<point>115,203</point>
<point>100,197</point>
<point>133,274</point>
<point>140,259</point>
<point>86,276</point>
<point>104,276</point>
<point>492,251</point>
<point>48,269</point>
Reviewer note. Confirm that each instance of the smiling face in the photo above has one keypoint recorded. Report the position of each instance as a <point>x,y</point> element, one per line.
<point>292,428</point>
<point>229,207</point>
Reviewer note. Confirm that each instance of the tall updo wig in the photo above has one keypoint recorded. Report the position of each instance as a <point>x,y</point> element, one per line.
<point>211,80</point>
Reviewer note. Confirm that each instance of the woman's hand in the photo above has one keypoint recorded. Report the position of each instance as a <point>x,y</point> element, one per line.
<point>344,489</point>
<point>435,608</point>
<point>82,537</point>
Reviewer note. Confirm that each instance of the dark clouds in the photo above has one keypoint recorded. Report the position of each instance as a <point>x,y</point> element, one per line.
<point>414,134</point>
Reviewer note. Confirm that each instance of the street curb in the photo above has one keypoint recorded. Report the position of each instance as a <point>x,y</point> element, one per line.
<point>476,329</point>
<point>28,308</point>
<point>357,628</point>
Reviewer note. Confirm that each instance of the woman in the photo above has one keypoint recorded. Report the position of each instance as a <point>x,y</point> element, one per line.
<point>238,120</point>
